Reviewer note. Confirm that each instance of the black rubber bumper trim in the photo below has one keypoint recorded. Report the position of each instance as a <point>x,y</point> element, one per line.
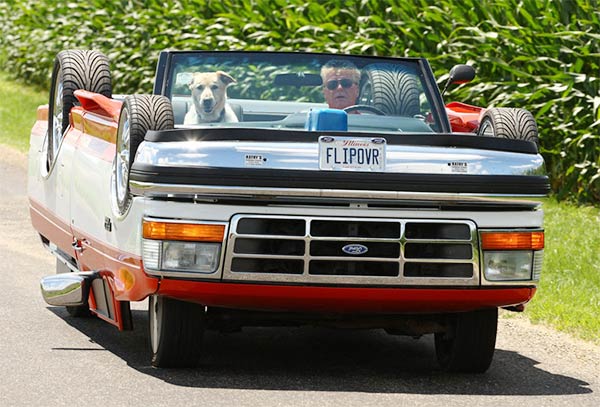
<point>244,177</point>
<point>463,140</point>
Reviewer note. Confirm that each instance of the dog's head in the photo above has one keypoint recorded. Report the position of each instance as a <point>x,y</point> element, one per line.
<point>209,93</point>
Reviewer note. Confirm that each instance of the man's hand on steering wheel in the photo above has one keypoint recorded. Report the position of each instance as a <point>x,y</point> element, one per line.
<point>364,108</point>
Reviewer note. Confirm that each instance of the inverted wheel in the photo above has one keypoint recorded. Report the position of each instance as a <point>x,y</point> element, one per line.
<point>139,114</point>
<point>73,69</point>
<point>509,122</point>
<point>391,89</point>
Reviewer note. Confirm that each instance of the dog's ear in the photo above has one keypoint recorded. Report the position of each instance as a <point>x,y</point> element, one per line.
<point>192,82</point>
<point>225,78</point>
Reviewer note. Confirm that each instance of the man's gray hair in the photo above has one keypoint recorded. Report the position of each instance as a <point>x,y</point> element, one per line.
<point>340,64</point>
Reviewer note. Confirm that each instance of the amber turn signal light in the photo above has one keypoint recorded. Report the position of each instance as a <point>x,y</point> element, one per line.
<point>512,240</point>
<point>183,231</point>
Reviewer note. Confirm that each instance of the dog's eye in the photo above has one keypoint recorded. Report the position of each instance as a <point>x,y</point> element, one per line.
<point>214,87</point>
<point>200,87</point>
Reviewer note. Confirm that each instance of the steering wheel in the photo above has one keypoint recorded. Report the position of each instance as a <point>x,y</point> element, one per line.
<point>365,108</point>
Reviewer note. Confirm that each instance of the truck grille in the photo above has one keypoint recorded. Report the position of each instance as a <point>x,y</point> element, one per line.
<point>352,251</point>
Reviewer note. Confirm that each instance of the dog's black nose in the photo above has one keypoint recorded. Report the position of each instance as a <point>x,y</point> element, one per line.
<point>207,103</point>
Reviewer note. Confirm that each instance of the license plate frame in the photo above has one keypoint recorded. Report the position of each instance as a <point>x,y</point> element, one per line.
<point>361,154</point>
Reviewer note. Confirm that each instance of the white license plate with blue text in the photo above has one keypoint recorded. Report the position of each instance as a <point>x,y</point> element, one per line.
<point>352,154</point>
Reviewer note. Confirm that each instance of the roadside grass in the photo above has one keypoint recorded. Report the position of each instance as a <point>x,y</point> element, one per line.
<point>18,105</point>
<point>568,296</point>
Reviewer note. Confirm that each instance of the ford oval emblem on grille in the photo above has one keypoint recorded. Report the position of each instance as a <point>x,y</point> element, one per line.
<point>355,249</point>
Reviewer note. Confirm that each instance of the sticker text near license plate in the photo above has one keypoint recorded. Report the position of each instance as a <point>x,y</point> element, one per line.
<point>352,154</point>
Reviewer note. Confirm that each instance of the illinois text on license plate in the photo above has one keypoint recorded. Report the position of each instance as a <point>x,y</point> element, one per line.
<point>351,154</point>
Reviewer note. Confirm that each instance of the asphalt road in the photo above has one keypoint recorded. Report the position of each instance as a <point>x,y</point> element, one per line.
<point>49,358</point>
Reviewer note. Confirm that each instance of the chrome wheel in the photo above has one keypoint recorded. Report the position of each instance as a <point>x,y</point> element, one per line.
<point>486,129</point>
<point>57,113</point>
<point>366,94</point>
<point>156,315</point>
<point>123,157</point>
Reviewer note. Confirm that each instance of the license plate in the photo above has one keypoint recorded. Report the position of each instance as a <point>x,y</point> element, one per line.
<point>352,154</point>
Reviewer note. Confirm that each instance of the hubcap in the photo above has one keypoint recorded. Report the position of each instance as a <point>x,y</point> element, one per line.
<point>57,113</point>
<point>155,307</point>
<point>122,164</point>
<point>366,95</point>
<point>487,129</point>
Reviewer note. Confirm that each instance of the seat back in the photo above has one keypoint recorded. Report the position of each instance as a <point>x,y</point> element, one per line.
<point>181,107</point>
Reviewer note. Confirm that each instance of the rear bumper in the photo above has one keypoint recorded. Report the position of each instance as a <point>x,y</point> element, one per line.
<point>343,299</point>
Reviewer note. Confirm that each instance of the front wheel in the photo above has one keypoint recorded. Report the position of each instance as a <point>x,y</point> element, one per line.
<point>469,343</point>
<point>176,332</point>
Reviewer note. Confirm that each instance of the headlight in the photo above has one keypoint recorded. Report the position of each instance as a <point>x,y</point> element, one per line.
<point>186,256</point>
<point>172,248</point>
<point>512,255</point>
<point>508,265</point>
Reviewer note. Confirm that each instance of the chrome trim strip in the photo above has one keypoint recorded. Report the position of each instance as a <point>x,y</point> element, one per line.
<point>200,192</point>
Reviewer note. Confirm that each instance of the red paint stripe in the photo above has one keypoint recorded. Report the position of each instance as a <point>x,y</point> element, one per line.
<point>51,227</point>
<point>97,255</point>
<point>101,256</point>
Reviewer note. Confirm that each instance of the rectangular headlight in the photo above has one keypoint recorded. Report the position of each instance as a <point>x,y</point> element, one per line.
<point>188,256</point>
<point>512,265</point>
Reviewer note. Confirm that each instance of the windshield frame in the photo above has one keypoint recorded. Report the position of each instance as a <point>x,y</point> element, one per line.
<point>163,84</point>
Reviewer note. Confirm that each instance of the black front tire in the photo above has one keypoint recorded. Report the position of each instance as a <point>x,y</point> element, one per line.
<point>468,345</point>
<point>139,114</point>
<point>73,69</point>
<point>509,122</point>
<point>176,332</point>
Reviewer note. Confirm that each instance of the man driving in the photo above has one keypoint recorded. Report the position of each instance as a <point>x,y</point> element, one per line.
<point>340,83</point>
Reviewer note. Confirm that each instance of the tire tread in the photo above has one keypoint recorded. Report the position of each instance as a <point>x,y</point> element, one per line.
<point>513,123</point>
<point>181,334</point>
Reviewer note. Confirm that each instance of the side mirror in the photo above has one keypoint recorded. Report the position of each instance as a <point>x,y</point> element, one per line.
<point>459,74</point>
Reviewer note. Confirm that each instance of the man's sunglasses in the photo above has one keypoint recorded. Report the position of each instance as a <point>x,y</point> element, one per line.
<point>333,84</point>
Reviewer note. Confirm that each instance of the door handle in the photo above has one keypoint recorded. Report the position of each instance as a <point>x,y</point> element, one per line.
<point>78,245</point>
